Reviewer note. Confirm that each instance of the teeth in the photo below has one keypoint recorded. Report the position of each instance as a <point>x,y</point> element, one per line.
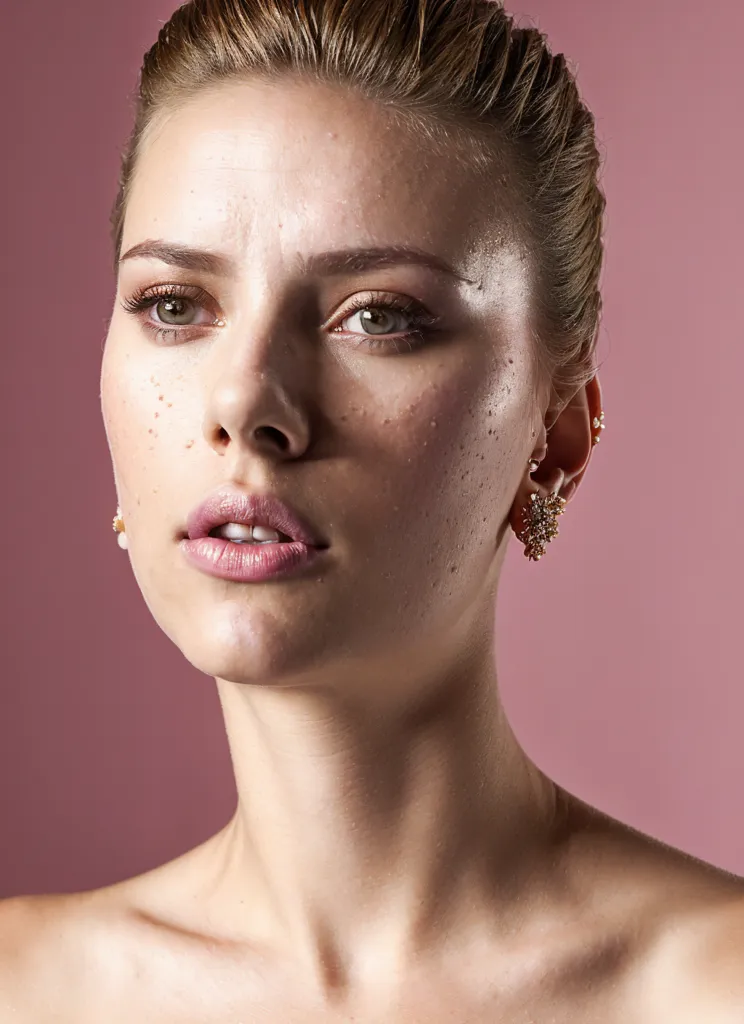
<point>242,534</point>
<point>263,533</point>
<point>235,531</point>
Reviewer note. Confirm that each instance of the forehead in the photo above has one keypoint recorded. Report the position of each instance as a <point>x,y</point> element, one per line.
<point>243,163</point>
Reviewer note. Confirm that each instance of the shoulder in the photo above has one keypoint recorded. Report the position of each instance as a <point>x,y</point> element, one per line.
<point>55,953</point>
<point>692,919</point>
<point>39,949</point>
<point>24,963</point>
<point>698,965</point>
<point>682,920</point>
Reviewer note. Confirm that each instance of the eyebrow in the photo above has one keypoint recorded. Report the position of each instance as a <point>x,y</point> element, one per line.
<point>336,261</point>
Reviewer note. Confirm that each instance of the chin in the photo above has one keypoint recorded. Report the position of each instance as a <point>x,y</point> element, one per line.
<point>247,645</point>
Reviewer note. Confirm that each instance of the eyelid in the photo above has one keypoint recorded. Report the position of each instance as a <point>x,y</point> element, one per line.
<point>372,299</point>
<point>146,298</point>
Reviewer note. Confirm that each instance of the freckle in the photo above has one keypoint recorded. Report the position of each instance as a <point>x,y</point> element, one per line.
<point>170,405</point>
<point>386,420</point>
<point>161,397</point>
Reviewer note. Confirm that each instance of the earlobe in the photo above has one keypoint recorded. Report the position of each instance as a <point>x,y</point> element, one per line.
<point>534,518</point>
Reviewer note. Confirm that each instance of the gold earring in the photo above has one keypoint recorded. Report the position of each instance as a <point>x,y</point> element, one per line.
<point>541,523</point>
<point>120,529</point>
<point>598,424</point>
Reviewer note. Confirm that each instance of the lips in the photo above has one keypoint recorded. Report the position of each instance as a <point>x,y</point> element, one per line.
<point>228,506</point>
<point>300,550</point>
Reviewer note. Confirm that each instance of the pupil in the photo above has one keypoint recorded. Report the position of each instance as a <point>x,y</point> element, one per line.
<point>373,315</point>
<point>172,306</point>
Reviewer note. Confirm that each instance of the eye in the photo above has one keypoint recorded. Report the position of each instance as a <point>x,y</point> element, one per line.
<point>175,305</point>
<point>380,316</point>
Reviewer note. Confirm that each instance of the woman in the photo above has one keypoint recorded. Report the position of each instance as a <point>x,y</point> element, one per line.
<point>358,249</point>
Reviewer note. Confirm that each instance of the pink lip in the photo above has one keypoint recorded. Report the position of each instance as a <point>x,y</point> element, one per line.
<point>248,562</point>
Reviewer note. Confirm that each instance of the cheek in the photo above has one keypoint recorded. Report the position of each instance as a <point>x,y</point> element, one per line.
<point>436,491</point>
<point>144,410</point>
<point>460,436</point>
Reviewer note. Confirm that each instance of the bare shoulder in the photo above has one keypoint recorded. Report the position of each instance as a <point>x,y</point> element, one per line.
<point>696,968</point>
<point>26,969</point>
<point>39,950</point>
<point>65,955</point>
<point>683,916</point>
<point>54,951</point>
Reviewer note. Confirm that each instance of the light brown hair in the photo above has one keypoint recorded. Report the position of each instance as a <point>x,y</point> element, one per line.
<point>456,70</point>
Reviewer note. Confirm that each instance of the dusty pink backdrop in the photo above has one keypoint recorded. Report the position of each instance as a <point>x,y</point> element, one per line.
<point>620,657</point>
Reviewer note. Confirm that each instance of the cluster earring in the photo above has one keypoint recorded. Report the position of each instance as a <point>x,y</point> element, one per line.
<point>120,530</point>
<point>541,514</point>
<point>540,520</point>
<point>540,523</point>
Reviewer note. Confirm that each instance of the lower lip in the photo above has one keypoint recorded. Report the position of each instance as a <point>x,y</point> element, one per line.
<point>247,563</point>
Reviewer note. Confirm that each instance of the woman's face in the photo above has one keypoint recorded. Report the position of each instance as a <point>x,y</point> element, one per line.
<point>403,451</point>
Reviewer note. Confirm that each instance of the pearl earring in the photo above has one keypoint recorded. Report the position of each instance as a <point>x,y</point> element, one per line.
<point>120,530</point>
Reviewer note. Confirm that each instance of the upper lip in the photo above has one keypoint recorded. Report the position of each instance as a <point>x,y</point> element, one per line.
<point>228,506</point>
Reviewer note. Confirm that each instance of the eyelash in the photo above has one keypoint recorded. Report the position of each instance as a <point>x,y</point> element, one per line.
<point>423,322</point>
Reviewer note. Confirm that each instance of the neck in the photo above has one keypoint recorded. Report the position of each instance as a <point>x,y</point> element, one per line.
<point>367,826</point>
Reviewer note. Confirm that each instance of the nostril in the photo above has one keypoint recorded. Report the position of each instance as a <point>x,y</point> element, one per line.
<point>276,436</point>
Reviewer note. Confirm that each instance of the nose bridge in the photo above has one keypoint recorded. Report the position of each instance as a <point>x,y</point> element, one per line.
<point>258,374</point>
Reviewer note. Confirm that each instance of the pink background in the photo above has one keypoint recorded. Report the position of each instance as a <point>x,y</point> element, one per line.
<point>620,652</point>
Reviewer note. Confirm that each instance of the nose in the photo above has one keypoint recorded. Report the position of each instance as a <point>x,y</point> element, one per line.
<point>256,396</point>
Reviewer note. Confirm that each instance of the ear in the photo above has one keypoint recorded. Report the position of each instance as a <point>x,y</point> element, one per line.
<point>569,439</point>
